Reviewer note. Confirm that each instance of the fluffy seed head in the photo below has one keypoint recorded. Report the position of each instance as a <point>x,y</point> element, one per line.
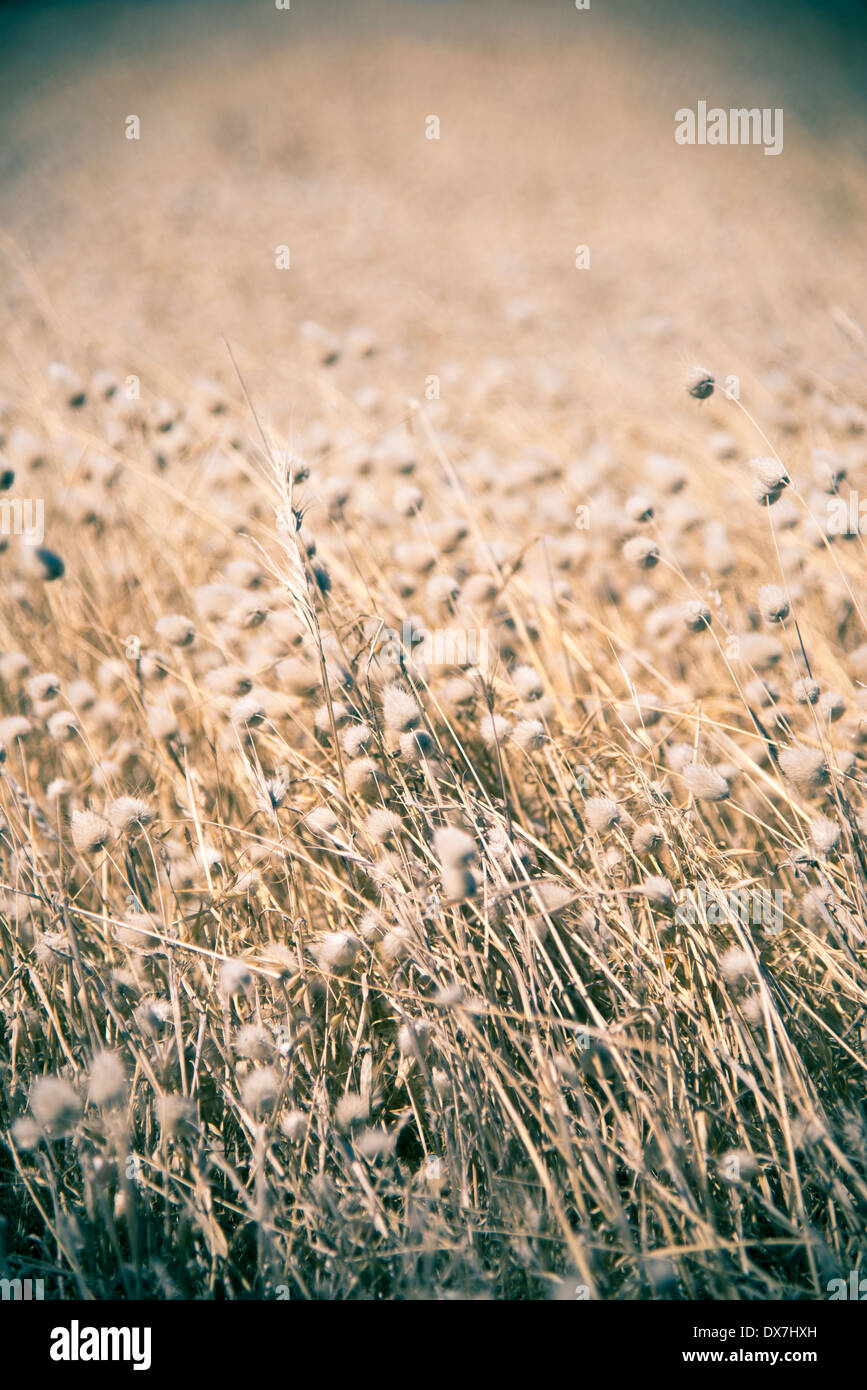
<point>832,705</point>
<point>235,977</point>
<point>177,630</point>
<point>805,691</point>
<point>356,739</point>
<point>399,710</point>
<point>458,884</point>
<point>338,950</point>
<point>129,813</point>
<point>294,1126</point>
<point>259,1090</point>
<point>769,479</point>
<point>382,824</point>
<point>408,500</point>
<point>454,847</point>
<point>107,1080</point>
<point>646,838</point>
<point>805,767</point>
<point>361,777</point>
<point>527,682</point>
<point>699,382</point>
<point>529,735</point>
<point>494,729</point>
<point>43,687</point>
<point>705,783</point>
<point>13,728</point>
<point>641,551</point>
<point>696,615</point>
<point>601,813</point>
<point>639,508</point>
<point>737,965</point>
<point>90,831</point>
<point>824,834</point>
<point>54,1103</point>
<point>321,821</point>
<point>658,891</point>
<point>62,726</point>
<point>773,604</point>
<point>415,745</point>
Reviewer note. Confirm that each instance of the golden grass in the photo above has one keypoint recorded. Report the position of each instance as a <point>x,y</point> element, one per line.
<point>351,1055</point>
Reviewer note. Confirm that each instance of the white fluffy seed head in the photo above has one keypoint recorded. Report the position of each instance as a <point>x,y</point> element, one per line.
<point>162,723</point>
<point>382,824</point>
<point>759,650</point>
<point>408,500</point>
<point>415,745</point>
<point>361,776</point>
<point>129,813</point>
<point>696,615</point>
<point>356,739</point>
<point>235,977</point>
<point>54,1103</point>
<point>529,735</point>
<point>90,831</point>
<point>294,1126</point>
<point>658,891</point>
<point>677,755</point>
<point>13,728</point>
<point>773,604</point>
<point>805,691</point>
<point>338,951</point>
<point>458,883</point>
<point>761,692</point>
<point>45,686</point>
<point>107,1080</point>
<point>646,838</point>
<point>527,682</point>
<point>413,1038</point>
<point>399,710</point>
<point>705,783</point>
<point>639,508</point>
<point>832,705</point>
<point>829,470</point>
<point>177,630</point>
<point>641,551</point>
<point>62,726</point>
<point>454,847</point>
<point>459,691</point>
<point>601,813</point>
<point>339,713</point>
<point>494,729</point>
<point>246,713</point>
<point>321,821</point>
<point>769,479</point>
<point>699,382</point>
<point>805,767</point>
<point>259,1090</point>
<point>824,834</point>
<point>737,964</point>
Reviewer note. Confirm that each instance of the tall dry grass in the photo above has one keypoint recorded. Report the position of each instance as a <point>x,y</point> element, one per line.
<point>337,963</point>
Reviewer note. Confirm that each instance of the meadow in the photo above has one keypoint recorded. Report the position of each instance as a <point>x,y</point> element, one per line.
<point>433,831</point>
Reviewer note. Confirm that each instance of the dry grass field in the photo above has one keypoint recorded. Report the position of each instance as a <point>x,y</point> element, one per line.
<point>433,822</point>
